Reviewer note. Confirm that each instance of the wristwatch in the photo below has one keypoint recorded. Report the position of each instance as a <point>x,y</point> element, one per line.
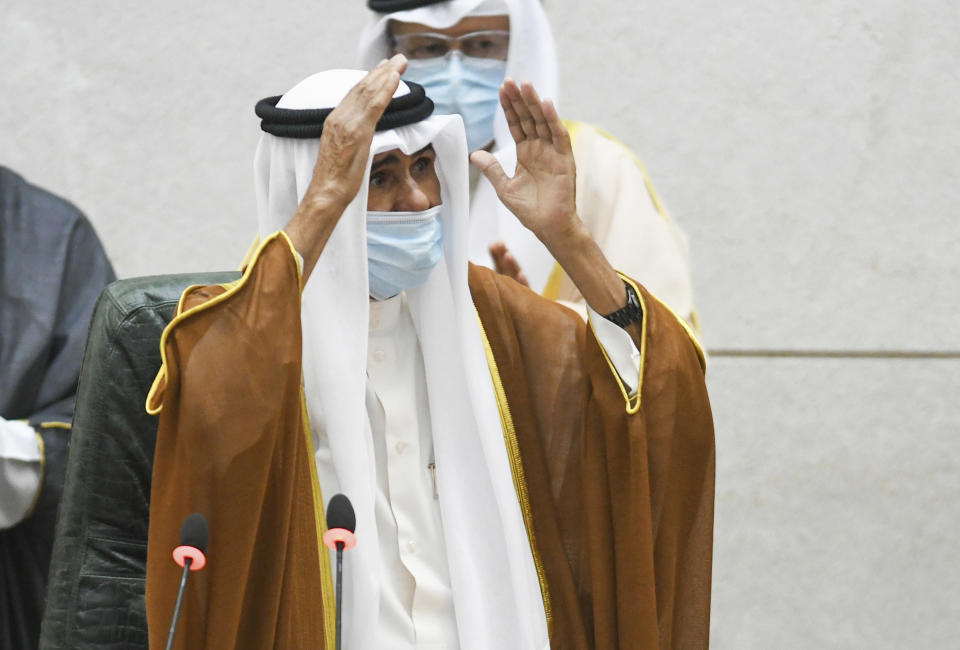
<point>631,313</point>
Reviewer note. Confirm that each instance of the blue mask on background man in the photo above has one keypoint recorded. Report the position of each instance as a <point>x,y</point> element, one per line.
<point>465,85</point>
<point>402,249</point>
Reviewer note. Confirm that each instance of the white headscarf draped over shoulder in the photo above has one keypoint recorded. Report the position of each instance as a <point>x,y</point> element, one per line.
<point>531,57</point>
<point>496,591</point>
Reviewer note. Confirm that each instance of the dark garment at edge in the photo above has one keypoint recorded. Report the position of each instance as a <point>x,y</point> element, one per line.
<point>52,268</point>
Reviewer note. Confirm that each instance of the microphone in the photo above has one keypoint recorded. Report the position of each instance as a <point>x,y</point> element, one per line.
<point>341,522</point>
<point>194,537</point>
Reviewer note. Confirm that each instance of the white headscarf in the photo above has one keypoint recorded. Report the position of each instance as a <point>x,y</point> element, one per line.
<point>532,57</point>
<point>496,591</point>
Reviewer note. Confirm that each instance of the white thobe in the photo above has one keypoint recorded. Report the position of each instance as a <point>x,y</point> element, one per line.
<point>416,601</point>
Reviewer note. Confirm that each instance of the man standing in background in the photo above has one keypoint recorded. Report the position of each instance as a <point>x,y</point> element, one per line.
<point>52,269</point>
<point>461,51</point>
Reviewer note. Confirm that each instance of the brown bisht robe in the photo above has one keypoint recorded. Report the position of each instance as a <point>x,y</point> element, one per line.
<point>618,504</point>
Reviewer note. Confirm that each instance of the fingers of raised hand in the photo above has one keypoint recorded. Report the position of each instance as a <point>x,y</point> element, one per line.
<point>532,100</point>
<point>561,138</point>
<point>512,268</point>
<point>506,264</point>
<point>513,120</point>
<point>368,99</point>
<point>524,119</point>
<point>398,62</point>
<point>527,115</point>
<point>497,251</point>
<point>488,164</point>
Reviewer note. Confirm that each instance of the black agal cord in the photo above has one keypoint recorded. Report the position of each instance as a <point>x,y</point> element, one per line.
<point>308,123</point>
<point>389,6</point>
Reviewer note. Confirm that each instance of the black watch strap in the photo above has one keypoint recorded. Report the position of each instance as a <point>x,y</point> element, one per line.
<point>629,314</point>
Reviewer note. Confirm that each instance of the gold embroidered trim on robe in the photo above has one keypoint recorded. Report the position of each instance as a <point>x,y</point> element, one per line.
<point>516,470</point>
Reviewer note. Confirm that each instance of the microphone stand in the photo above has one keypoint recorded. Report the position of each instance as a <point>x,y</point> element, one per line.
<point>341,522</point>
<point>176,609</point>
<point>340,546</point>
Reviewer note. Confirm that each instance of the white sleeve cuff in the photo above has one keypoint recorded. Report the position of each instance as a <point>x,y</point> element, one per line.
<point>21,468</point>
<point>620,347</point>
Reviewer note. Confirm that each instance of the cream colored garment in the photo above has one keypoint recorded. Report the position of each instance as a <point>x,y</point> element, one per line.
<point>617,203</point>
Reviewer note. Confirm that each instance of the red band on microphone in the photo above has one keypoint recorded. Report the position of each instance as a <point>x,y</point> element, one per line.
<point>334,535</point>
<point>197,559</point>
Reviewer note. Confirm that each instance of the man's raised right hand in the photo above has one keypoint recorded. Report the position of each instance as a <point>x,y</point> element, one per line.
<point>348,133</point>
<point>342,160</point>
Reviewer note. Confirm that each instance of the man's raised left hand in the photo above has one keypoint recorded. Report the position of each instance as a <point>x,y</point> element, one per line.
<point>542,191</point>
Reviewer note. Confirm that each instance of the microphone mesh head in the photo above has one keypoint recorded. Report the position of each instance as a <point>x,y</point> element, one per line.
<point>195,532</point>
<point>340,513</point>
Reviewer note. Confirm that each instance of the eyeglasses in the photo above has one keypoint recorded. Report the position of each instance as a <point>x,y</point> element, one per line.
<point>488,44</point>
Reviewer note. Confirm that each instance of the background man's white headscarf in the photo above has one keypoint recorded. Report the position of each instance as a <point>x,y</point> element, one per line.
<point>495,587</point>
<point>531,57</point>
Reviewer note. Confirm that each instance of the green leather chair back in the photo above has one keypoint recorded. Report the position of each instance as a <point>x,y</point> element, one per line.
<point>95,597</point>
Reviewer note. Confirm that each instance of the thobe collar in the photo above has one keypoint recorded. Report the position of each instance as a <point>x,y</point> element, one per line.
<point>384,314</point>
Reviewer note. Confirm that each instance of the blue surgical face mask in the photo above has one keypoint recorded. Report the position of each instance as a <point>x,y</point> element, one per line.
<point>402,249</point>
<point>466,85</point>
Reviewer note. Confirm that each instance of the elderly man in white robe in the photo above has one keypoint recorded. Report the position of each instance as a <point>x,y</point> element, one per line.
<point>393,372</point>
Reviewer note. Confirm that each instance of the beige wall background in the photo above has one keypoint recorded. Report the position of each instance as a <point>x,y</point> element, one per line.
<point>808,150</point>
